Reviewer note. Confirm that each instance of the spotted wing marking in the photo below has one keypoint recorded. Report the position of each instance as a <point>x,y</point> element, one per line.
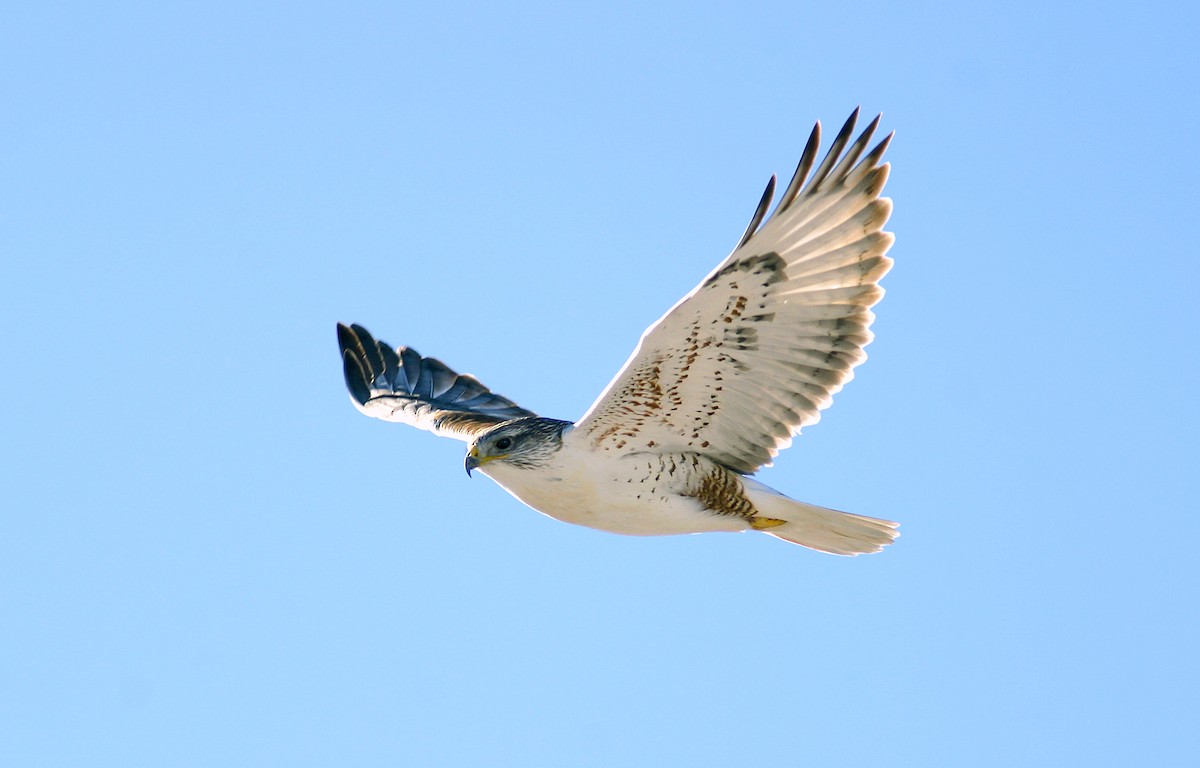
<point>753,354</point>
<point>662,390</point>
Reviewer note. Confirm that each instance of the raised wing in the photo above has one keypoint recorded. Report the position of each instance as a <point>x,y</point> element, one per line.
<point>754,352</point>
<point>400,385</point>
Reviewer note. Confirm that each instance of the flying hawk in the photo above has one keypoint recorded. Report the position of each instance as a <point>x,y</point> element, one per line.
<point>714,390</point>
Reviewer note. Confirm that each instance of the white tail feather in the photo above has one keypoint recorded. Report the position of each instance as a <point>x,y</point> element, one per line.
<point>827,530</point>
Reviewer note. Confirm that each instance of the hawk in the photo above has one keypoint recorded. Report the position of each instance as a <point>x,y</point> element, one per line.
<point>713,391</point>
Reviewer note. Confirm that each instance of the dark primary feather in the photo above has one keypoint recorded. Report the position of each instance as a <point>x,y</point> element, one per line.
<point>760,213</point>
<point>827,170</point>
<point>807,158</point>
<point>835,150</point>
<point>401,385</point>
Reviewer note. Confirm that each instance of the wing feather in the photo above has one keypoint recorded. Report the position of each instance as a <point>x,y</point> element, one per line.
<point>400,385</point>
<point>759,348</point>
<point>835,150</point>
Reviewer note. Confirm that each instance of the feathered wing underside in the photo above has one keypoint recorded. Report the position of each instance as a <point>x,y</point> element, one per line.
<point>758,349</point>
<point>400,385</point>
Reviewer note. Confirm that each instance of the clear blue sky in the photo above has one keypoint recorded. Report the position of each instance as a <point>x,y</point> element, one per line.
<point>207,557</point>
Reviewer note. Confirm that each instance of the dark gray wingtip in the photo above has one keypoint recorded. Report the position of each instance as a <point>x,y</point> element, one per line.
<point>808,158</point>
<point>759,214</point>
<point>835,151</point>
<point>850,159</point>
<point>834,166</point>
<point>354,362</point>
<point>352,365</point>
<point>875,155</point>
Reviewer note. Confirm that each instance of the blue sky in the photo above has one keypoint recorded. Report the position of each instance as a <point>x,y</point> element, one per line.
<point>207,557</point>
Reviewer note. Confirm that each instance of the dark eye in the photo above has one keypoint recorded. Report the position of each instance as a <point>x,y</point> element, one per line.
<point>504,443</point>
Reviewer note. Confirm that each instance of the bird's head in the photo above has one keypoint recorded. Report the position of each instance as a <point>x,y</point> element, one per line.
<point>523,443</point>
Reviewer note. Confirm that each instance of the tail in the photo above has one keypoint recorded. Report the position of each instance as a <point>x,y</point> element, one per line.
<point>827,530</point>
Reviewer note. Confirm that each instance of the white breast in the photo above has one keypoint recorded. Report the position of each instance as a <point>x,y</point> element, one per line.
<point>635,494</point>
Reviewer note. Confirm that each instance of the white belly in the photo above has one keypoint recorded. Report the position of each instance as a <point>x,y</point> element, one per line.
<point>636,494</point>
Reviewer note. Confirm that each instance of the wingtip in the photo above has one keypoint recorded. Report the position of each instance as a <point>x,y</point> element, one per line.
<point>353,335</point>
<point>356,344</point>
<point>356,377</point>
<point>851,121</point>
<point>807,157</point>
<point>760,212</point>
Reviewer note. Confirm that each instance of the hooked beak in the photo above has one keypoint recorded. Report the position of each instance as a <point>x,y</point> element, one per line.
<point>472,460</point>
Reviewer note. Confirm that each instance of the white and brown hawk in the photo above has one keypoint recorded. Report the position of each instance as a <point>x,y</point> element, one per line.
<point>716,387</point>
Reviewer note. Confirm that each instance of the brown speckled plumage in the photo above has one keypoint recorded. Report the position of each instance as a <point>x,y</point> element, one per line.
<point>715,389</point>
